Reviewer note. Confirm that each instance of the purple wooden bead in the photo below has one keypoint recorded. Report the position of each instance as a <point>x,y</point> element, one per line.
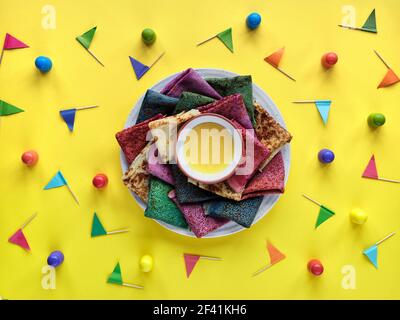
<point>326,156</point>
<point>55,259</point>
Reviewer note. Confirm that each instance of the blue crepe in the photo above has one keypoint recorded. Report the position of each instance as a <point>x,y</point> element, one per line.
<point>242,212</point>
<point>155,103</point>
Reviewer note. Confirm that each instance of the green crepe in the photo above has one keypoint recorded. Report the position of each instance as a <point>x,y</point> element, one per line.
<point>161,207</point>
<point>324,214</point>
<point>86,38</point>
<point>97,227</point>
<point>240,84</point>
<point>116,277</point>
<point>189,101</point>
<point>7,109</point>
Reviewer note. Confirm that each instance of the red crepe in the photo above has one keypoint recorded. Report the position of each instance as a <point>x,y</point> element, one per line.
<point>133,139</point>
<point>231,107</point>
<point>251,158</point>
<point>270,180</point>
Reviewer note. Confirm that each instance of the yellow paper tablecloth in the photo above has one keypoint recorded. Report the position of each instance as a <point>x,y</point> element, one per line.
<point>308,29</point>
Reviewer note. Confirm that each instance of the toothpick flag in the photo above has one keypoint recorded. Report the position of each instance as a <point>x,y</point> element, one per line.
<point>225,37</point>
<point>390,78</point>
<point>59,181</point>
<point>140,68</point>
<point>116,278</point>
<point>275,256</point>
<point>99,230</point>
<point>192,259</point>
<point>69,115</point>
<point>371,172</point>
<point>86,39</point>
<point>11,43</point>
<point>18,237</point>
<point>324,213</point>
<point>7,109</point>
<point>323,107</point>
<point>372,252</point>
<point>275,59</point>
<point>368,26</point>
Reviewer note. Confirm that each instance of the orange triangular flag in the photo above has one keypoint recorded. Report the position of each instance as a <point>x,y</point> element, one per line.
<point>275,58</point>
<point>274,254</point>
<point>390,79</point>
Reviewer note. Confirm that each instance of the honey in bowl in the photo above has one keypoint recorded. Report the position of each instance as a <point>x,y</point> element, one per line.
<point>209,148</point>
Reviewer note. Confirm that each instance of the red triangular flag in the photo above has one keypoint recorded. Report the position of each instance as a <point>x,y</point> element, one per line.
<point>371,171</point>
<point>19,239</point>
<point>13,43</point>
<point>275,58</point>
<point>274,254</point>
<point>390,79</point>
<point>190,262</point>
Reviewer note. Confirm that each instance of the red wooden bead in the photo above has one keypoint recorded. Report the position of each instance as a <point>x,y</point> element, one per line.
<point>30,158</point>
<point>100,180</point>
<point>329,60</point>
<point>315,267</point>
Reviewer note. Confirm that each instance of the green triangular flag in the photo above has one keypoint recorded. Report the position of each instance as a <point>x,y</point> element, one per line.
<point>86,38</point>
<point>370,24</point>
<point>115,277</point>
<point>226,38</point>
<point>324,214</point>
<point>97,227</point>
<point>7,109</point>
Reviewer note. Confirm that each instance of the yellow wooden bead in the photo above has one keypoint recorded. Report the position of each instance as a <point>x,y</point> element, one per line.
<point>146,263</point>
<point>358,216</point>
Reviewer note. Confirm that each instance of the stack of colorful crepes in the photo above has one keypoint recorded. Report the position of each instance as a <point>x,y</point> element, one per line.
<point>170,195</point>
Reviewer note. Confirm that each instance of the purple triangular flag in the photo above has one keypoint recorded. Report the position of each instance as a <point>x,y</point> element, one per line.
<point>69,118</point>
<point>139,68</point>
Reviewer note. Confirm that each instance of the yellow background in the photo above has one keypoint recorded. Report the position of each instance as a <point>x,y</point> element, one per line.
<point>307,28</point>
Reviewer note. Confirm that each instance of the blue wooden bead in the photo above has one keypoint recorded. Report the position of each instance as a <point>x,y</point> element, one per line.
<point>55,258</point>
<point>43,64</point>
<point>253,20</point>
<point>326,156</point>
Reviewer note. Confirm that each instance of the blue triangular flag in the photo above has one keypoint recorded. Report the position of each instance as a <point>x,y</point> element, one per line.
<point>139,68</point>
<point>372,255</point>
<point>57,181</point>
<point>69,118</point>
<point>323,107</point>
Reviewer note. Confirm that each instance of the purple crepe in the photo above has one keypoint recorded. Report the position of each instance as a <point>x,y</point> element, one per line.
<point>198,221</point>
<point>189,80</point>
<point>159,170</point>
<point>231,107</point>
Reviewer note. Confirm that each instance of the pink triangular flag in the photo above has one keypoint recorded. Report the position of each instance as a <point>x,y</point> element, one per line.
<point>19,239</point>
<point>13,43</point>
<point>190,262</point>
<point>371,171</point>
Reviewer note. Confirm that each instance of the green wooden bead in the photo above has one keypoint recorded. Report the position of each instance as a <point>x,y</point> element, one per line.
<point>148,36</point>
<point>376,120</point>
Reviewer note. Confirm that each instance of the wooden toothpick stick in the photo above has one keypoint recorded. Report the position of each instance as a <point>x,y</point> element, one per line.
<point>84,108</point>
<point>1,56</point>
<point>204,41</point>
<point>312,200</point>
<point>389,180</point>
<point>160,56</point>
<point>73,194</point>
<point>287,75</point>
<point>29,220</point>
<point>380,57</point>
<point>117,231</point>
<point>262,269</point>
<point>210,258</point>
<point>132,285</point>
<point>385,238</point>
<point>94,57</point>
<point>304,101</point>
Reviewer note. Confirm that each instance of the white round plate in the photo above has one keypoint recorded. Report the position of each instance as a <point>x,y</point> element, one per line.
<point>266,102</point>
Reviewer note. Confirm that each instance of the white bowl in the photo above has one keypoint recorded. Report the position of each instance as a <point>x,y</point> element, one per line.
<point>186,130</point>
<point>266,102</point>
